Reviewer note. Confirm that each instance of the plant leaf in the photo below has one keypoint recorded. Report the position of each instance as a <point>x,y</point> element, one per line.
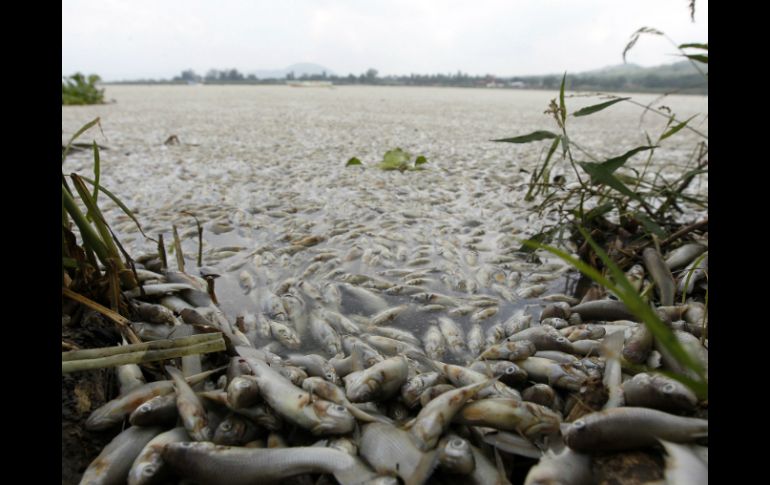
<point>601,175</point>
<point>635,37</point>
<point>97,173</point>
<point>597,107</point>
<point>396,159</point>
<point>676,128</point>
<point>613,164</point>
<point>120,204</point>
<point>353,161</point>
<point>650,225</point>
<point>420,160</point>
<point>534,136</point>
<point>562,106</point>
<point>76,135</point>
<point>695,46</point>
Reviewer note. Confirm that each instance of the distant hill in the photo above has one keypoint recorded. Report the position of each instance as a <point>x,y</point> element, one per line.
<point>299,70</point>
<point>682,68</point>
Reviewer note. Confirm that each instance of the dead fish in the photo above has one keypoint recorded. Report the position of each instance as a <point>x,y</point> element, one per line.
<point>325,335</point>
<point>494,334</point>
<point>243,392</point>
<point>627,428</point>
<point>508,372</point>
<point>484,314</point>
<point>659,392</point>
<point>434,343</point>
<point>435,417</point>
<point>378,382</point>
<point>509,350</point>
<point>511,443</point>
<point>564,376</point>
<point>396,334</point>
<point>604,310</point>
<point>565,468</point>
<point>455,455</point>
<point>115,411</point>
<point>414,387</point>
<point>158,411</point>
<point>153,313</point>
<point>285,335</point>
<point>315,365</point>
<point>683,465</point>
<point>157,290</point>
<point>475,340</point>
<point>207,463</point>
<point>660,274</point>
<point>296,405</point>
<point>330,392</point>
<point>543,338</point>
<point>149,466</point>
<point>517,322</point>
<point>388,315</point>
<point>531,420</point>
<point>235,430</point>
<point>433,392</point>
<point>246,281</point>
<point>684,255</point>
<point>638,346</point>
<point>454,335</point>
<point>391,450</point>
<point>190,407</point>
<point>532,291</point>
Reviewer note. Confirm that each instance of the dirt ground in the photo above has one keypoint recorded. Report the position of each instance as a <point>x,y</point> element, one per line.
<point>81,393</point>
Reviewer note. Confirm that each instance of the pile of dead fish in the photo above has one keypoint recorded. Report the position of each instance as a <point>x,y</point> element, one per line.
<point>372,378</point>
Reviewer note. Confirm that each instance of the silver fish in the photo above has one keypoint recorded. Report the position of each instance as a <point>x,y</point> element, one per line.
<point>149,466</point>
<point>207,463</point>
<point>628,428</point>
<point>190,407</point>
<point>112,465</point>
<point>379,381</point>
<point>565,468</point>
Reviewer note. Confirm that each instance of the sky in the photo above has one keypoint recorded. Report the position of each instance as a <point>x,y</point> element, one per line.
<point>151,39</point>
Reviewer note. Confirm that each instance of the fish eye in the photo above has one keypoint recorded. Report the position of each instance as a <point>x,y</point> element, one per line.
<point>226,426</point>
<point>457,443</point>
<point>339,408</point>
<point>579,424</point>
<point>562,340</point>
<point>330,376</point>
<point>242,384</point>
<point>669,388</point>
<point>145,408</point>
<point>186,444</point>
<point>149,470</point>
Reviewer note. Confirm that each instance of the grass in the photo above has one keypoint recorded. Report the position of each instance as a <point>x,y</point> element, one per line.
<point>81,90</point>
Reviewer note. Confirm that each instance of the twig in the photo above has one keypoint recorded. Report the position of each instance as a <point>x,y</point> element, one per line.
<point>217,345</point>
<point>127,349</point>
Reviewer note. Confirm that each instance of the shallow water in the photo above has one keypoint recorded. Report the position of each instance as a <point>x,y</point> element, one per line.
<point>261,166</point>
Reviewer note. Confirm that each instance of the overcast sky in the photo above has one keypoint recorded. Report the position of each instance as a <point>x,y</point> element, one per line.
<point>131,39</point>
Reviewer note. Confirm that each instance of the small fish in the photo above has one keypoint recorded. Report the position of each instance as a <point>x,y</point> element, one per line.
<point>379,381</point>
<point>455,455</point>
<point>475,340</point>
<point>190,407</point>
<point>628,428</point>
<point>149,466</point>
<point>114,462</point>
<point>285,335</point>
<point>434,343</point>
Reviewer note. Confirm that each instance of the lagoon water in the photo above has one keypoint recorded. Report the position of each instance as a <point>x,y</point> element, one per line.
<point>263,166</point>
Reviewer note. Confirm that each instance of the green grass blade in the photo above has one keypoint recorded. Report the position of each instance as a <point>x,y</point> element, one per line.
<point>97,172</point>
<point>90,238</point>
<point>597,107</point>
<point>695,46</point>
<point>353,161</point>
<point>601,175</point>
<point>676,128</point>
<point>534,136</point>
<point>99,222</point>
<point>615,163</point>
<point>120,204</point>
<point>76,135</point>
<point>562,106</point>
